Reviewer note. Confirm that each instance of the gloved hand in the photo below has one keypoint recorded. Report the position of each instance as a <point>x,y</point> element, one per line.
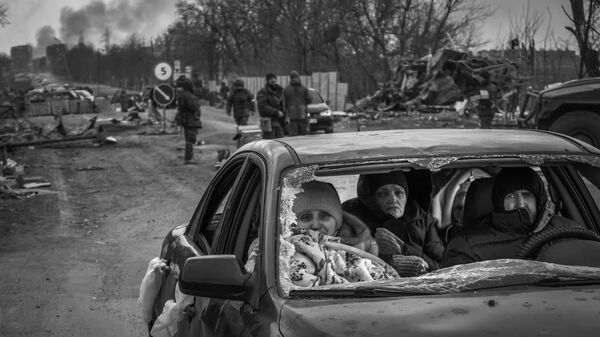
<point>408,266</point>
<point>389,244</point>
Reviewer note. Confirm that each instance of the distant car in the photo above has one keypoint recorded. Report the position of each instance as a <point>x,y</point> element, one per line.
<point>84,95</point>
<point>320,116</point>
<point>552,291</point>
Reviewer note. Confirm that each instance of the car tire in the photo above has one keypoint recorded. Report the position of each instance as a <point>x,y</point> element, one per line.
<point>583,125</point>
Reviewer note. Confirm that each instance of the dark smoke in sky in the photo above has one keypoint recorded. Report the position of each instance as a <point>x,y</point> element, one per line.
<point>121,17</point>
<point>44,37</point>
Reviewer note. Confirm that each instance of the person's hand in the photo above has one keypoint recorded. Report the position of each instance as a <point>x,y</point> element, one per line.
<point>286,121</point>
<point>388,243</point>
<point>279,113</point>
<point>410,265</point>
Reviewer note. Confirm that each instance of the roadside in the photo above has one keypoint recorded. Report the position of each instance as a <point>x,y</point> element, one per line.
<point>73,259</point>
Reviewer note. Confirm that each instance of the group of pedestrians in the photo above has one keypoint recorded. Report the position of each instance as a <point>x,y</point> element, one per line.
<point>283,111</point>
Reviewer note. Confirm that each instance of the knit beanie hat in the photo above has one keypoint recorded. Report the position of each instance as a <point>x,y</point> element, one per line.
<point>511,179</point>
<point>319,195</point>
<point>294,74</point>
<point>270,76</point>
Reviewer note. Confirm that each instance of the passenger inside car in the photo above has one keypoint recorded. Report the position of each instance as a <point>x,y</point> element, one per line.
<point>331,246</point>
<point>407,236</point>
<point>520,207</point>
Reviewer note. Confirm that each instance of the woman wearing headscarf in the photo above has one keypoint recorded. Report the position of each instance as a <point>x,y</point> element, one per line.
<point>406,235</point>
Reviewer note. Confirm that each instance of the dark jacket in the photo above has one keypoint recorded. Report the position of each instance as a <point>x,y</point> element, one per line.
<point>295,100</point>
<point>188,109</point>
<point>499,235</point>
<point>269,101</point>
<point>416,228</point>
<point>485,105</point>
<point>240,100</point>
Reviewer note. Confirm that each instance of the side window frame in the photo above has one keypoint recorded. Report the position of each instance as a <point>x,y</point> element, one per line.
<point>214,195</point>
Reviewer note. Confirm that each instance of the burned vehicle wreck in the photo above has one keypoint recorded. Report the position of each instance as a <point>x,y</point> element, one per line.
<point>246,265</point>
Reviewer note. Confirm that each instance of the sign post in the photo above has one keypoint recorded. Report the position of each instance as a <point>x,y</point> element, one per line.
<point>163,95</point>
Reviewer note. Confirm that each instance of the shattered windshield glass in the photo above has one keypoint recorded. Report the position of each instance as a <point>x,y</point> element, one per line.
<point>327,244</point>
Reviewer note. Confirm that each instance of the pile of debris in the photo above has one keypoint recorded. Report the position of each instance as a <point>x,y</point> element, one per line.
<point>14,184</point>
<point>436,83</point>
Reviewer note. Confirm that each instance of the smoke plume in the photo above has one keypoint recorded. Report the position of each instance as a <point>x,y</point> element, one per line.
<point>44,37</point>
<point>122,18</point>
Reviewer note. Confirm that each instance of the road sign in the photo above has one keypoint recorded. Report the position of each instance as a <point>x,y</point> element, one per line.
<point>163,94</point>
<point>163,71</point>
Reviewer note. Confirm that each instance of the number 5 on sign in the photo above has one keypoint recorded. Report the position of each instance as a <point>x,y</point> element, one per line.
<point>163,71</point>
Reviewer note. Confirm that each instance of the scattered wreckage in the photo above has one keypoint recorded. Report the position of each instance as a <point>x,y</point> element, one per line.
<point>448,80</point>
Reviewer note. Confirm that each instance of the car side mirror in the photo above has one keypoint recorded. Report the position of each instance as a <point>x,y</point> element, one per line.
<point>215,276</point>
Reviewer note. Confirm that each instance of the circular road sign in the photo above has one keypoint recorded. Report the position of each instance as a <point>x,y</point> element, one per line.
<point>163,94</point>
<point>163,71</point>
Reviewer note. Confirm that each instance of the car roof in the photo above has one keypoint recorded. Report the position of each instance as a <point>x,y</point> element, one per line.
<point>426,143</point>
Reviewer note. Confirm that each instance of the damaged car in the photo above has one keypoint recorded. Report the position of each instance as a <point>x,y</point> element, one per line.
<point>245,265</point>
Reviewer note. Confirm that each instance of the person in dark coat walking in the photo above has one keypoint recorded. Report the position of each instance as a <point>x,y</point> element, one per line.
<point>188,116</point>
<point>519,200</point>
<point>269,101</point>
<point>296,99</point>
<point>240,101</point>
<point>486,104</point>
<point>406,235</point>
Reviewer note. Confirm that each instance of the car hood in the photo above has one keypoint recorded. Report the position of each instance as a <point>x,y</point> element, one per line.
<point>508,312</point>
<point>317,107</point>
<point>465,300</point>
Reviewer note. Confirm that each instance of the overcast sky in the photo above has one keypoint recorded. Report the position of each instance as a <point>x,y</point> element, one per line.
<point>37,21</point>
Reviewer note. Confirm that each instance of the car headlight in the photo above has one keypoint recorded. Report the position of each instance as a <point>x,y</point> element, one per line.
<point>325,113</point>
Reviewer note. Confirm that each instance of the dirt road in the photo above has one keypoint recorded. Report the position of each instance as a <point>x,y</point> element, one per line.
<point>72,260</point>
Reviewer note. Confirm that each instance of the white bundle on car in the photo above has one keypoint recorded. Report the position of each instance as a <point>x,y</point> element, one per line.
<point>150,287</point>
<point>173,311</point>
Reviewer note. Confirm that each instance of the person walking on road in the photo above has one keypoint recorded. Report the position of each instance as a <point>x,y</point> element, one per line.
<point>296,99</point>
<point>224,92</point>
<point>270,107</point>
<point>240,101</point>
<point>189,118</point>
<point>485,107</point>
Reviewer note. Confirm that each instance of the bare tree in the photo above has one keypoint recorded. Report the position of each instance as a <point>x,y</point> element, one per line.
<point>585,30</point>
<point>3,14</point>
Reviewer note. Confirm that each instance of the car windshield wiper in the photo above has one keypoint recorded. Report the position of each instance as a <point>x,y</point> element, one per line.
<point>370,291</point>
<point>364,291</point>
<point>566,282</point>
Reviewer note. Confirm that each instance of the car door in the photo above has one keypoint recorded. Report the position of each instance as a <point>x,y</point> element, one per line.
<point>199,236</point>
<point>239,224</point>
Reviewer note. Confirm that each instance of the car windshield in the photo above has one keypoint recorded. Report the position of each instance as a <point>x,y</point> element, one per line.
<point>340,232</point>
<point>315,97</point>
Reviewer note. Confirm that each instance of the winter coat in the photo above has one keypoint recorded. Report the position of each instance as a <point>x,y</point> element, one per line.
<point>499,235</point>
<point>188,109</point>
<point>415,227</point>
<point>269,101</point>
<point>240,100</point>
<point>485,105</point>
<point>296,98</point>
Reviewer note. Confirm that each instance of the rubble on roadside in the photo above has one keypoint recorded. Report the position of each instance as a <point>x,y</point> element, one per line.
<point>14,184</point>
<point>445,81</point>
